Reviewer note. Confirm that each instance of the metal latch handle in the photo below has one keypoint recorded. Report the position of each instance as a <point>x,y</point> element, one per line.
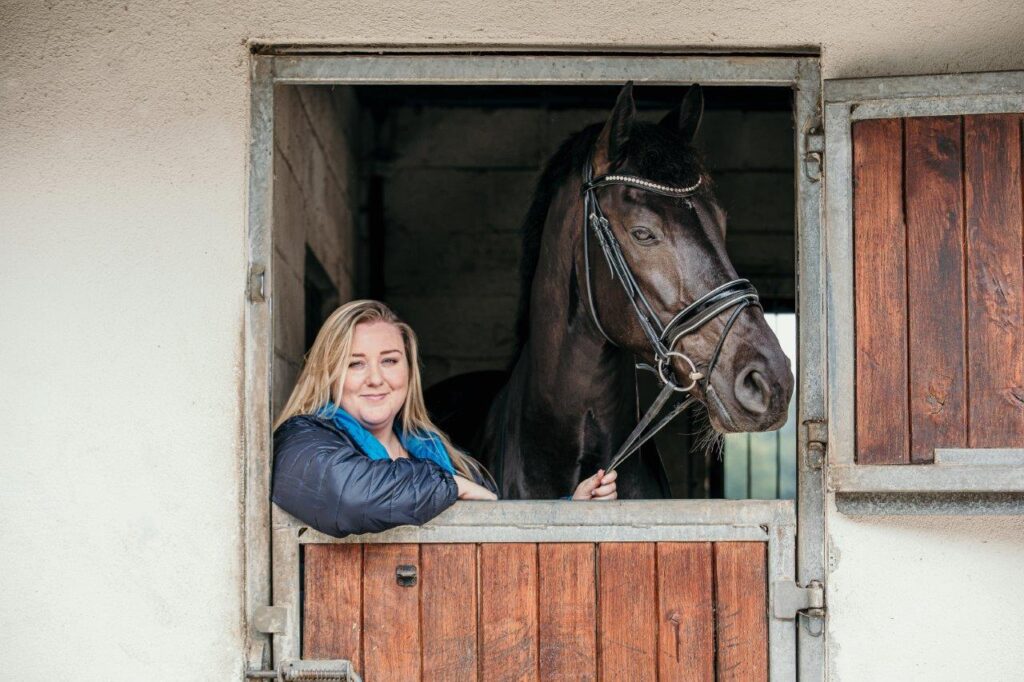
<point>336,670</point>
<point>405,575</point>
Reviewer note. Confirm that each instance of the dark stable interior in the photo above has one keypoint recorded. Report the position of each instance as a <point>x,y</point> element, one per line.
<point>444,176</point>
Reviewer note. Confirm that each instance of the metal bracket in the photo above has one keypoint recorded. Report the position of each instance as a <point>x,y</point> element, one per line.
<point>270,619</point>
<point>817,441</point>
<point>791,601</point>
<point>788,598</point>
<point>814,152</point>
<point>257,283</point>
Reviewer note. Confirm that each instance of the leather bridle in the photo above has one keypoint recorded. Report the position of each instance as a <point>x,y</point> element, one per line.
<point>736,294</point>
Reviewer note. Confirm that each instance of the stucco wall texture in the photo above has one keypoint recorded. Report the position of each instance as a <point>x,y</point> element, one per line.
<point>124,131</point>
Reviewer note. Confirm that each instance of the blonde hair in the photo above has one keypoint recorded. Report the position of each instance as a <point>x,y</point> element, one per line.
<point>327,364</point>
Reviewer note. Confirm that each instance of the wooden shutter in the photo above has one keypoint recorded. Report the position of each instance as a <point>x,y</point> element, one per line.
<point>938,251</point>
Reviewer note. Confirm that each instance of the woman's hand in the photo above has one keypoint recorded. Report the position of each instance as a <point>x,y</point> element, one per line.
<point>600,486</point>
<point>468,490</point>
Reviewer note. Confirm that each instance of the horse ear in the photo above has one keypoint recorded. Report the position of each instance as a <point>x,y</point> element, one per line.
<point>616,131</point>
<point>686,116</point>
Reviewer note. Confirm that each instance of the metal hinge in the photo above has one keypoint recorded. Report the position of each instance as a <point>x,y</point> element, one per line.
<point>790,601</point>
<point>338,670</point>
<point>270,620</point>
<point>257,283</point>
<point>817,442</point>
<point>814,153</point>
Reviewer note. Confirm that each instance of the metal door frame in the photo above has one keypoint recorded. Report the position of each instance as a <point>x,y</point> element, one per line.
<point>800,73</point>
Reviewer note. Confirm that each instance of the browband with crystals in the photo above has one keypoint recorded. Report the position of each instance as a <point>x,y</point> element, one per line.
<point>641,183</point>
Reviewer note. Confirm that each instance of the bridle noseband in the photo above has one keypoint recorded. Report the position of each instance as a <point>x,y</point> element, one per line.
<point>736,294</point>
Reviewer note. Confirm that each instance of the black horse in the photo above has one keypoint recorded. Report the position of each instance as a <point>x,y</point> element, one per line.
<point>570,401</point>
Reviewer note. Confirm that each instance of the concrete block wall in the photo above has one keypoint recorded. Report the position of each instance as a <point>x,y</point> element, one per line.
<point>459,180</point>
<point>750,156</point>
<point>316,206</point>
<point>456,189</point>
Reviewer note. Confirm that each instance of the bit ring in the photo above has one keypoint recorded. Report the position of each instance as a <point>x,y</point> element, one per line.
<point>694,377</point>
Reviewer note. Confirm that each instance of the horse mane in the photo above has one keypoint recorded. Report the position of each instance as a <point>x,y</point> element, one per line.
<point>656,152</point>
<point>562,164</point>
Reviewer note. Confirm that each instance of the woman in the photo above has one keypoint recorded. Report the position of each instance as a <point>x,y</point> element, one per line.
<point>354,448</point>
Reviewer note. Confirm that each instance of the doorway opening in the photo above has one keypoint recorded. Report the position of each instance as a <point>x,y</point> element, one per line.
<point>415,195</point>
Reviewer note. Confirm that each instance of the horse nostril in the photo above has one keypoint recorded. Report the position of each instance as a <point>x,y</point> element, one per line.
<point>752,391</point>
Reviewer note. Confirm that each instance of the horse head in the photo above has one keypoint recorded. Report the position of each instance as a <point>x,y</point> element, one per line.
<point>674,281</point>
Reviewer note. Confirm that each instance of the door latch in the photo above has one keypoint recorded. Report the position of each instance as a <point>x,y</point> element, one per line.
<point>337,670</point>
<point>405,575</point>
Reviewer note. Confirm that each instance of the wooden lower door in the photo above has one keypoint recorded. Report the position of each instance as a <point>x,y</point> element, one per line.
<point>539,611</point>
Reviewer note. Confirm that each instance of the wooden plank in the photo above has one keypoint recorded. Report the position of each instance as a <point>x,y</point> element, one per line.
<point>448,575</point>
<point>882,426</point>
<point>627,612</point>
<point>567,611</point>
<point>935,270</point>
<point>686,632</point>
<point>508,611</point>
<point>332,612</point>
<point>391,614</point>
<point>741,611</point>
<point>995,281</point>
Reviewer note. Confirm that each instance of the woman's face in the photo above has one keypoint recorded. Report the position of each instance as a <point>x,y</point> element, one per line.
<point>377,379</point>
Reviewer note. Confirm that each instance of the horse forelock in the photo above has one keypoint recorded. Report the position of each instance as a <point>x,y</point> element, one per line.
<point>656,153</point>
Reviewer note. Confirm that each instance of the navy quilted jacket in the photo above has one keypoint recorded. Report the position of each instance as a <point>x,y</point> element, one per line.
<point>322,478</point>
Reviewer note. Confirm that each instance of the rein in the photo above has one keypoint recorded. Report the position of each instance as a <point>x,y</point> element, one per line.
<point>736,294</point>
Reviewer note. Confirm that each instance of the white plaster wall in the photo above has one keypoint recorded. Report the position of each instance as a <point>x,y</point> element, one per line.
<point>926,598</point>
<point>123,130</point>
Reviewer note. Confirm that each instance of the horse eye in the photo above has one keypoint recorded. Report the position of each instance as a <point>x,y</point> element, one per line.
<point>642,235</point>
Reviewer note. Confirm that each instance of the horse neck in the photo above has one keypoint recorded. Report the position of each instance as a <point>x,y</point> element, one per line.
<point>573,372</point>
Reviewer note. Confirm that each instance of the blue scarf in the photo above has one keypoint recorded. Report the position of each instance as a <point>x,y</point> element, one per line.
<point>421,445</point>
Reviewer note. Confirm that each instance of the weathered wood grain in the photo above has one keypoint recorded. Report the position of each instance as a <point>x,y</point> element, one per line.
<point>741,615</point>
<point>567,611</point>
<point>508,611</point>
<point>882,425</point>
<point>686,631</point>
<point>448,592</point>
<point>995,281</point>
<point>332,612</point>
<point>391,614</point>
<point>628,618</point>
<point>935,271</point>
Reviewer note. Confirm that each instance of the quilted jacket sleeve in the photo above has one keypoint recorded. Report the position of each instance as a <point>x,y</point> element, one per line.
<point>321,478</point>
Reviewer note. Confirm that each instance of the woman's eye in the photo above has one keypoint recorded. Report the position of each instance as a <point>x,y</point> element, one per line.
<point>643,235</point>
<point>355,364</point>
<point>390,361</point>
